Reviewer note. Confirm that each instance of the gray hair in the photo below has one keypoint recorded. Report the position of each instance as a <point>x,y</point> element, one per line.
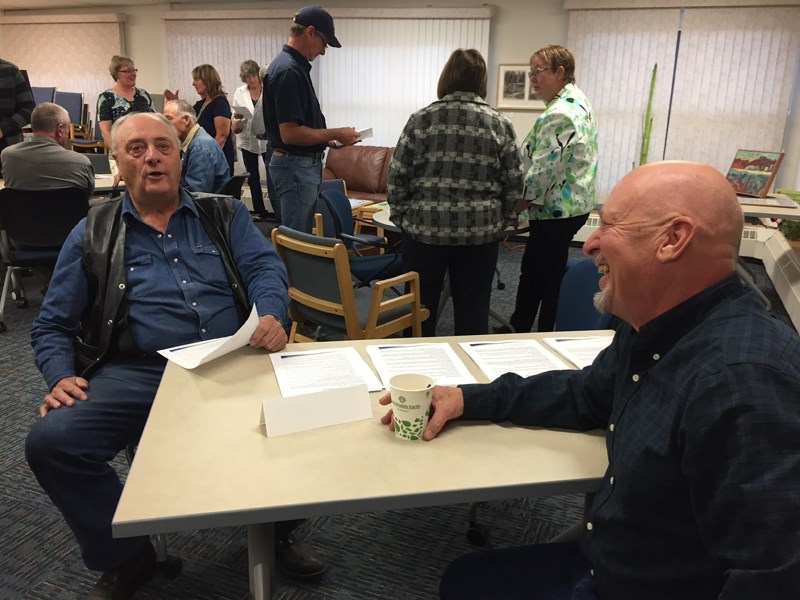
<point>155,116</point>
<point>46,117</point>
<point>248,67</point>
<point>183,108</point>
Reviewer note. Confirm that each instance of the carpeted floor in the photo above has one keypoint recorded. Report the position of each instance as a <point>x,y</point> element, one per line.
<point>39,558</point>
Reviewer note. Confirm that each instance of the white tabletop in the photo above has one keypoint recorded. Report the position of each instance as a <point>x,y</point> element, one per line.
<point>205,461</point>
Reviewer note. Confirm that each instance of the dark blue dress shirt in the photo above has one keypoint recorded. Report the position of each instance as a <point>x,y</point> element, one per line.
<point>702,412</point>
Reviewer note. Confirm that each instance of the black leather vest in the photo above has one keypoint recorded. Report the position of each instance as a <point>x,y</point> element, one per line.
<point>104,330</point>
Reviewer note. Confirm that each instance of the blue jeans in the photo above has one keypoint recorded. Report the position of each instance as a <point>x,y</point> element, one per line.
<point>69,449</point>
<point>541,571</point>
<point>296,180</point>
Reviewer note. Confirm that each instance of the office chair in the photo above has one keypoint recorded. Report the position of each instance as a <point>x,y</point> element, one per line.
<point>336,212</point>
<point>321,291</point>
<point>82,141</point>
<point>575,312</point>
<point>33,227</point>
<point>233,187</point>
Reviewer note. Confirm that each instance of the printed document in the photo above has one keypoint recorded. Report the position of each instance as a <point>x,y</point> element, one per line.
<point>436,360</point>
<point>580,351</point>
<point>523,357</point>
<point>311,371</point>
<point>242,110</point>
<point>190,356</point>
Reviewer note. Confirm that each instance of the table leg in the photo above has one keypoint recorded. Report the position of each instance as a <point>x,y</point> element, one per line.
<point>261,554</point>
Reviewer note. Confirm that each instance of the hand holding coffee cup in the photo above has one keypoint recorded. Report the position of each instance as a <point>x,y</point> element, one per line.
<point>411,404</point>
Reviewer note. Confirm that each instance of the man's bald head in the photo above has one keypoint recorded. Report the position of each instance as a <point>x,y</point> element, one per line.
<point>669,230</point>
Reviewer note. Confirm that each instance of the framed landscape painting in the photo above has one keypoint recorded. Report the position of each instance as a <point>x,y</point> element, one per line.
<point>514,89</point>
<point>753,171</point>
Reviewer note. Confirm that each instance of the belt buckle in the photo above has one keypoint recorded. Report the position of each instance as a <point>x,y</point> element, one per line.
<point>278,152</point>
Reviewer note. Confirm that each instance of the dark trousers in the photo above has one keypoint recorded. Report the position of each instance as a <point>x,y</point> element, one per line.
<point>541,571</point>
<point>69,450</point>
<point>471,271</point>
<point>543,265</point>
<point>250,161</point>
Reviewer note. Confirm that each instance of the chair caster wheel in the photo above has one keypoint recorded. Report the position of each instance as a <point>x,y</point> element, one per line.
<point>22,302</point>
<point>170,567</point>
<point>477,534</point>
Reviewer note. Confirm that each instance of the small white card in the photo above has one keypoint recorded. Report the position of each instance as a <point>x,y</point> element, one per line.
<point>319,409</point>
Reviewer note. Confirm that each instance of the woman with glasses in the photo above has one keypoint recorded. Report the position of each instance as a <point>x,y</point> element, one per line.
<point>123,98</point>
<point>453,181</point>
<point>560,154</point>
<point>213,110</point>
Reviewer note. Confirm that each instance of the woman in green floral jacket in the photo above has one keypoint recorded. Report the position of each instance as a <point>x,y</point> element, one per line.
<point>559,192</point>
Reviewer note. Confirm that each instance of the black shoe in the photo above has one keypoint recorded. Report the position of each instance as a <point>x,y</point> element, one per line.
<point>297,560</point>
<point>121,582</point>
<point>502,329</point>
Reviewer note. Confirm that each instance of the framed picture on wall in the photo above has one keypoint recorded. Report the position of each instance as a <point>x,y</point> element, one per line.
<point>514,91</point>
<point>753,171</point>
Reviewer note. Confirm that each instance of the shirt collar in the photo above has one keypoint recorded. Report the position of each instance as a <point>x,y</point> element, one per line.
<point>185,202</point>
<point>297,56</point>
<point>668,328</point>
<point>189,137</point>
<point>463,97</point>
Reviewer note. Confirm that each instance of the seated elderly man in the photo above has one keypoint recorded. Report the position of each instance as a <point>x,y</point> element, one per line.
<point>205,168</point>
<point>43,161</point>
<point>149,270</point>
<point>698,394</point>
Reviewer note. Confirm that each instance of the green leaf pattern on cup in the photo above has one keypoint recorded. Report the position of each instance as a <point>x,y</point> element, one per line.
<point>411,430</point>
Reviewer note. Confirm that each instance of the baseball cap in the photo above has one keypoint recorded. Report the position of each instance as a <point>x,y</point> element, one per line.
<point>319,18</point>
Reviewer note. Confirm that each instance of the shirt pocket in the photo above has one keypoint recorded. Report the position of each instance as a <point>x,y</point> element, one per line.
<point>140,275</point>
<point>209,264</point>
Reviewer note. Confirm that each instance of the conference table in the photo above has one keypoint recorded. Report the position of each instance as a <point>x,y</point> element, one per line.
<point>204,459</point>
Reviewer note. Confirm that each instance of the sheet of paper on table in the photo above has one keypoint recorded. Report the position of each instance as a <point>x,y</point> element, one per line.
<point>523,357</point>
<point>190,356</point>
<point>313,371</point>
<point>580,351</point>
<point>436,360</point>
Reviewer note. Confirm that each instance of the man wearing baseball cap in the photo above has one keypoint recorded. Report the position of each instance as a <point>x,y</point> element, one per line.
<point>296,128</point>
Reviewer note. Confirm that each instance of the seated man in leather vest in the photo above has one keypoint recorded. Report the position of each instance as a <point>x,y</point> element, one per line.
<point>146,271</point>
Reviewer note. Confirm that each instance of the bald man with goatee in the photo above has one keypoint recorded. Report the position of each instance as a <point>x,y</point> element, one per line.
<point>699,396</point>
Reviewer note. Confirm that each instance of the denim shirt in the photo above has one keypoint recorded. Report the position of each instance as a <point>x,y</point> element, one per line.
<point>176,288</point>
<point>701,409</point>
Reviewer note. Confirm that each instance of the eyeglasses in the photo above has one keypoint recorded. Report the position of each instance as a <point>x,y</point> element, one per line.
<point>128,71</point>
<point>534,73</point>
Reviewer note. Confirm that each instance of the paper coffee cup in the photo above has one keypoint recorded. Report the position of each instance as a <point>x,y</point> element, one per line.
<point>411,404</point>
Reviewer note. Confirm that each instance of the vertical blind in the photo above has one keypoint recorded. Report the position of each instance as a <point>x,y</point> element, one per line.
<point>615,52</point>
<point>734,74</point>
<point>389,68</point>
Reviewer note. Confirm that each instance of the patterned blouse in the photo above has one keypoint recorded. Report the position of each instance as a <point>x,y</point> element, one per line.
<point>111,106</point>
<point>562,150</point>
